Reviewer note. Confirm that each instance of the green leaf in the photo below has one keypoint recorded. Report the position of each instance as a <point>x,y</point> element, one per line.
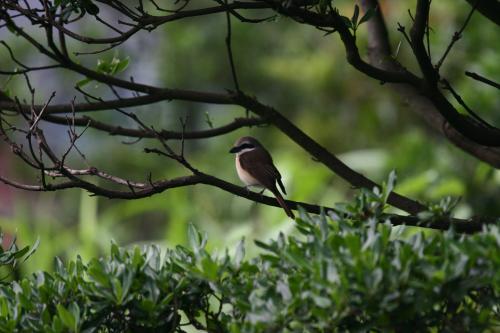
<point>75,311</point>
<point>391,181</point>
<point>265,246</point>
<point>240,253</point>
<point>210,268</point>
<point>196,241</point>
<point>117,290</point>
<point>84,82</point>
<point>21,253</point>
<point>322,302</point>
<point>97,274</point>
<point>122,65</point>
<point>103,66</point>
<point>137,258</point>
<point>66,317</point>
<point>115,251</point>
<point>32,249</point>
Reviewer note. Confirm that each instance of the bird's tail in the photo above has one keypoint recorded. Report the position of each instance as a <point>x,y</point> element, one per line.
<point>283,204</point>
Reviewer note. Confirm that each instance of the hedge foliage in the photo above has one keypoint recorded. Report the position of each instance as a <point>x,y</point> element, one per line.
<point>349,272</point>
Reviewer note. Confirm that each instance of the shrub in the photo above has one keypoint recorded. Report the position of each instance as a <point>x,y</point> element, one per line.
<point>347,272</point>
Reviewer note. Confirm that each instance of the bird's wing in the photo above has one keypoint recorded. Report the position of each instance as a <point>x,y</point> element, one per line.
<point>259,164</point>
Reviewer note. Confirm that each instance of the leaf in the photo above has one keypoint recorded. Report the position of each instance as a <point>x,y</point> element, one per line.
<point>33,249</point>
<point>83,82</point>
<point>355,16</point>
<point>22,252</point>
<point>75,311</point>
<point>117,290</point>
<point>122,65</point>
<point>194,237</point>
<point>103,66</point>
<point>240,253</point>
<point>59,267</point>
<point>96,273</point>
<point>113,66</point>
<point>284,290</point>
<point>127,283</point>
<point>391,184</point>
<point>265,246</point>
<point>368,15</point>
<point>346,21</point>
<point>137,258</point>
<point>210,268</point>
<point>115,251</point>
<point>66,317</point>
<point>321,301</point>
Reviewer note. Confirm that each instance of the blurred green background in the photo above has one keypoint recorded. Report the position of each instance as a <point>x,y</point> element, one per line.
<point>294,68</point>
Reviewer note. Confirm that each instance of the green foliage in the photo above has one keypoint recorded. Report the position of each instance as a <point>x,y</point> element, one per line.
<point>354,22</point>
<point>351,271</point>
<point>108,67</point>
<point>12,255</point>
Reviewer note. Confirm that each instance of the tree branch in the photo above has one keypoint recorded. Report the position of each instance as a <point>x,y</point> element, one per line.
<point>488,8</point>
<point>480,78</point>
<point>380,55</point>
<point>384,70</point>
<point>322,154</point>
<point>462,226</point>
<point>86,121</point>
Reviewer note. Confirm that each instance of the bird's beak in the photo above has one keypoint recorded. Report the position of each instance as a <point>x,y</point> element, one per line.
<point>233,150</point>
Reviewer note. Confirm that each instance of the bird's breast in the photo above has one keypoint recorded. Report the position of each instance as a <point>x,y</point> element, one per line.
<point>246,177</point>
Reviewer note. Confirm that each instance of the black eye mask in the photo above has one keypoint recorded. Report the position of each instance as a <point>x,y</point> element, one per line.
<point>241,147</point>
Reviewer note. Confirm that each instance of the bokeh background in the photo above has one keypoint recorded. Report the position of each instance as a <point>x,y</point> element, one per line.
<point>296,69</point>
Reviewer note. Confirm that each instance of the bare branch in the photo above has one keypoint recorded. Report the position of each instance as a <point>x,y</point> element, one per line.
<point>456,36</point>
<point>459,99</point>
<point>229,48</point>
<point>488,8</point>
<point>165,134</point>
<point>464,226</point>
<point>480,78</point>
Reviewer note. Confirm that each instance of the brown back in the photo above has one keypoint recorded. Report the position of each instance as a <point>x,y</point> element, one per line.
<point>259,164</point>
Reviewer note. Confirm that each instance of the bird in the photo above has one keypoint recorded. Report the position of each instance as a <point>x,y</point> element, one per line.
<point>255,167</point>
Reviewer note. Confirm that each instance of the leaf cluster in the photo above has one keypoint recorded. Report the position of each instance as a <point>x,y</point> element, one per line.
<point>351,271</point>
<point>108,67</point>
<point>11,255</point>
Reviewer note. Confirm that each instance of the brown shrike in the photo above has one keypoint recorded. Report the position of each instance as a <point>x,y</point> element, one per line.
<point>255,167</point>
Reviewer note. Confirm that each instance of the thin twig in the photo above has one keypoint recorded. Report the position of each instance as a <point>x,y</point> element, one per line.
<point>460,100</point>
<point>230,50</point>
<point>456,36</point>
<point>480,78</point>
